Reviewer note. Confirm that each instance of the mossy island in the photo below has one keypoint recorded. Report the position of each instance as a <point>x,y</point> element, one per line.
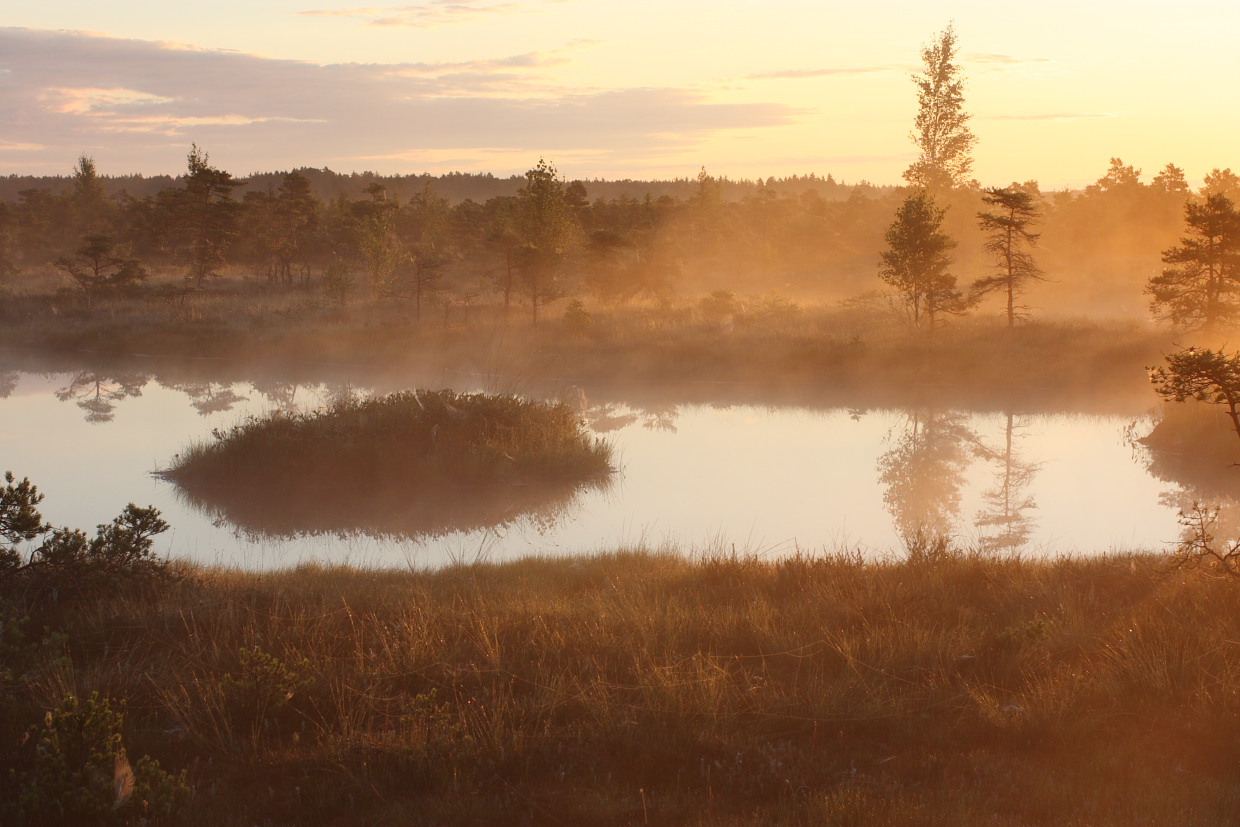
<point>413,463</point>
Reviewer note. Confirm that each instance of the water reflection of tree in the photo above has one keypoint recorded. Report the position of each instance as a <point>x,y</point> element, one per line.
<point>1007,502</point>
<point>8,383</point>
<point>97,393</point>
<point>282,395</point>
<point>208,397</point>
<point>1192,447</point>
<point>923,471</point>
<point>660,417</point>
<point>607,416</point>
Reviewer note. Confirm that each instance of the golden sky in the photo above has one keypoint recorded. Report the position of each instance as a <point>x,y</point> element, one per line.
<point>609,89</point>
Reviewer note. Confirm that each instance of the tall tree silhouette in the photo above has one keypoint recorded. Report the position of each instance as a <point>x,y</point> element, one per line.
<point>916,260</point>
<point>941,130</point>
<point>207,215</point>
<point>1008,237</point>
<point>549,230</point>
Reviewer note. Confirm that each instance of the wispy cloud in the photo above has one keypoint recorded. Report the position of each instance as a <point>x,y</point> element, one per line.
<point>1050,116</point>
<point>89,99</point>
<point>138,105</point>
<point>817,73</point>
<point>1002,60</point>
<point>514,73</point>
<point>424,15</point>
<point>346,12</point>
<point>993,63</point>
<point>183,126</point>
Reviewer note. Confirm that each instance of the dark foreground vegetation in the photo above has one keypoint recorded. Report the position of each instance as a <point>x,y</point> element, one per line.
<point>633,688</point>
<point>409,463</point>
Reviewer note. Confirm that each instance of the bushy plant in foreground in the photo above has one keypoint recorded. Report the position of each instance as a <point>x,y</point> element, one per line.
<point>67,561</point>
<point>79,773</point>
<point>263,687</point>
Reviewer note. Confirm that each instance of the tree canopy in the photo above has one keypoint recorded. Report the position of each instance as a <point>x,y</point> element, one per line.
<point>941,129</point>
<point>1201,288</point>
<point>916,260</point>
<point>1008,237</point>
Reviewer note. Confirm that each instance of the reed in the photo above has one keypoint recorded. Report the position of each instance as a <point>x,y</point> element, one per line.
<point>409,464</point>
<point>435,436</point>
<point>663,688</point>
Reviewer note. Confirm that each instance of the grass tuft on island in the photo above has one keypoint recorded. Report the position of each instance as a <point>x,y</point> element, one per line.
<point>424,438</point>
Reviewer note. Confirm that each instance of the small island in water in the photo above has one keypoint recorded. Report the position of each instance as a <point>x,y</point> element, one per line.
<point>414,463</point>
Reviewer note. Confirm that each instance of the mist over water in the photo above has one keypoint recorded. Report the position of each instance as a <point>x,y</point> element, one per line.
<point>694,477</point>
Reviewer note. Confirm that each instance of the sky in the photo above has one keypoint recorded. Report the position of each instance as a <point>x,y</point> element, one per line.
<point>613,88</point>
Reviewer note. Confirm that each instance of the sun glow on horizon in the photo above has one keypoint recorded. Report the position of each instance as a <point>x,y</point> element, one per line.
<point>613,90</point>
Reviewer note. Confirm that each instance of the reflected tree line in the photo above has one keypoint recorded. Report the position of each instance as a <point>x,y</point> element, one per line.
<point>924,470</point>
<point>98,393</point>
<point>1192,448</point>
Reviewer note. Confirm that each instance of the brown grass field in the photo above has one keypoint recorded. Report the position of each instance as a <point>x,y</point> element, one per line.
<point>653,688</point>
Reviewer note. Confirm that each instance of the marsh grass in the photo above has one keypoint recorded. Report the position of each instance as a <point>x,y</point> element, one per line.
<point>438,435</point>
<point>644,687</point>
<point>409,463</point>
<point>765,341</point>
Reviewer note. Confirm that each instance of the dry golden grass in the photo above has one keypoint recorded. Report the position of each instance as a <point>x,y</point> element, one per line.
<point>650,688</point>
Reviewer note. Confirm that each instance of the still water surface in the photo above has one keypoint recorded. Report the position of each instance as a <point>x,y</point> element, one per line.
<point>767,480</point>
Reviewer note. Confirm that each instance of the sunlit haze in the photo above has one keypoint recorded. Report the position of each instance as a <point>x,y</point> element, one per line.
<point>609,89</point>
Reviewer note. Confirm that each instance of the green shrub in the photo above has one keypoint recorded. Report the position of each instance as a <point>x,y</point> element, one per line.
<point>120,554</point>
<point>262,689</point>
<point>79,773</point>
<point>21,653</point>
<point>67,561</point>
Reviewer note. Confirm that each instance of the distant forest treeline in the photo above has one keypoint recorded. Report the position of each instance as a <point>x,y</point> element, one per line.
<point>530,240</point>
<point>456,187</point>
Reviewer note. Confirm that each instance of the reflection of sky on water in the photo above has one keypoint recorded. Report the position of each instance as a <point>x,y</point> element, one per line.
<point>755,478</point>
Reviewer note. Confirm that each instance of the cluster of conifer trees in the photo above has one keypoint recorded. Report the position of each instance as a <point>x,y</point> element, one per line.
<point>401,237</point>
<point>1200,290</point>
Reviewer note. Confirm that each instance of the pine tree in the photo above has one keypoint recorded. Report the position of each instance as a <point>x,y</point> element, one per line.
<point>916,261</point>
<point>1007,238</point>
<point>1201,290</point>
<point>549,230</point>
<point>208,215</point>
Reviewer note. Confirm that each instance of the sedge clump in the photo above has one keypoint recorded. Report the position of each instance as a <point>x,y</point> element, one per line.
<point>437,436</point>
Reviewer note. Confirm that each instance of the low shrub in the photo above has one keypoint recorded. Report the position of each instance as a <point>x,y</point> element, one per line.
<point>79,773</point>
<point>67,562</point>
